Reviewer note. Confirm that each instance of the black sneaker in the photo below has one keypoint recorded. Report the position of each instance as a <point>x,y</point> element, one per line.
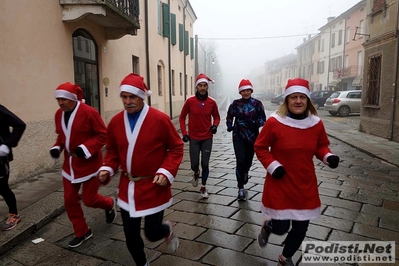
<point>246,177</point>
<point>264,234</point>
<point>110,215</point>
<point>77,241</point>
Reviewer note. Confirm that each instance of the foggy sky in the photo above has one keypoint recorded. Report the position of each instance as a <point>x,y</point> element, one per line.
<point>245,34</point>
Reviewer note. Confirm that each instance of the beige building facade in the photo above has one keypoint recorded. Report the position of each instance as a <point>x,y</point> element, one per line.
<point>94,44</point>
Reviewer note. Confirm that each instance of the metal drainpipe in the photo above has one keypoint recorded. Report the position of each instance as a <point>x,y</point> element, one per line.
<point>147,45</point>
<point>170,75</point>
<point>395,74</point>
<point>184,51</point>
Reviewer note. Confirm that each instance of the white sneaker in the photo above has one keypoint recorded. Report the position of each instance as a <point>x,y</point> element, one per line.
<point>172,241</point>
<point>204,193</point>
<point>194,181</point>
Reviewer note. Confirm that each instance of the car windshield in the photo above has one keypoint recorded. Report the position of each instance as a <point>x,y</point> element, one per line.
<point>335,95</point>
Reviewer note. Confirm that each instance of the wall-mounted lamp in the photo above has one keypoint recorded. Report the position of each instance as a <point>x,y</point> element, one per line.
<point>106,83</point>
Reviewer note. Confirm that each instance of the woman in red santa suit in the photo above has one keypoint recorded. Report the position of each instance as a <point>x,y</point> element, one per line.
<point>81,135</point>
<point>144,144</point>
<point>286,146</point>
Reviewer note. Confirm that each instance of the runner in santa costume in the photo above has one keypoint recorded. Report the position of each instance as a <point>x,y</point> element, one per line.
<point>144,144</point>
<point>203,120</point>
<point>81,133</point>
<point>286,145</point>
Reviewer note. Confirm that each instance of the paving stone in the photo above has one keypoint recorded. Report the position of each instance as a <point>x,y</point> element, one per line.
<point>379,211</point>
<point>368,198</point>
<point>335,223</point>
<point>205,208</point>
<point>222,256</point>
<point>391,205</point>
<point>188,249</point>
<point>376,232</point>
<point>355,206</point>
<point>329,192</point>
<point>222,239</point>
<point>249,204</point>
<point>166,260</point>
<point>318,232</point>
<point>185,217</point>
<point>189,232</point>
<point>221,224</point>
<point>338,212</point>
<point>249,216</point>
<point>337,187</point>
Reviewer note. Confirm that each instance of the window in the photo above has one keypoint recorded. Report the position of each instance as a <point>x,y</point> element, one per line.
<point>373,80</point>
<point>378,5</point>
<point>361,29</point>
<point>348,34</point>
<point>173,82</point>
<point>333,40</point>
<point>181,83</point>
<point>191,48</point>
<point>186,46</point>
<point>135,64</point>
<point>173,29</point>
<point>318,45</point>
<point>159,76</point>
<point>339,37</point>
<point>165,20</point>
<point>181,37</point>
<point>322,45</point>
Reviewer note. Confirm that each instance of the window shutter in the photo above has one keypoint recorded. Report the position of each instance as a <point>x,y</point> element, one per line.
<point>186,47</point>
<point>173,29</point>
<point>192,48</point>
<point>181,37</point>
<point>166,20</point>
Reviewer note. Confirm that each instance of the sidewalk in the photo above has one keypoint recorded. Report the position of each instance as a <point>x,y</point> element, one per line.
<point>40,199</point>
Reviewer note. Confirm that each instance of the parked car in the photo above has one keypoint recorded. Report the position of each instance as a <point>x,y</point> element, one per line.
<point>319,97</point>
<point>262,95</point>
<point>278,99</point>
<point>343,103</point>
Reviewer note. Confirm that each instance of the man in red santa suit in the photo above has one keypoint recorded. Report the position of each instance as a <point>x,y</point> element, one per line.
<point>81,135</point>
<point>144,144</point>
<point>289,140</point>
<point>203,120</point>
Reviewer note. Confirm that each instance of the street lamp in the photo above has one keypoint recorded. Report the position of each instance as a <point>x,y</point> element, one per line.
<point>206,60</point>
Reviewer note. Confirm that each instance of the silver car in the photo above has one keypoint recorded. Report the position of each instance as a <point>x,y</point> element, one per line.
<point>343,103</point>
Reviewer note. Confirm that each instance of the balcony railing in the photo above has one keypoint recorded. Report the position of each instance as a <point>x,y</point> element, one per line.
<point>348,72</point>
<point>118,17</point>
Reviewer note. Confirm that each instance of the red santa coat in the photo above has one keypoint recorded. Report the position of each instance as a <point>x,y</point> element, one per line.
<point>154,147</point>
<point>85,129</point>
<point>292,143</point>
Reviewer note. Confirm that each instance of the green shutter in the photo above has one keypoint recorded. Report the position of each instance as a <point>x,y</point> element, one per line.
<point>173,29</point>
<point>192,48</point>
<point>166,20</point>
<point>186,47</point>
<point>181,37</point>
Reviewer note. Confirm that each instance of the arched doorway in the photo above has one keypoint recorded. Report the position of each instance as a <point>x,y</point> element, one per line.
<point>86,67</point>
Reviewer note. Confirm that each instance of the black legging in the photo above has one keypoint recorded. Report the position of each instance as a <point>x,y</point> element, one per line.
<point>5,190</point>
<point>205,148</point>
<point>244,155</point>
<point>153,228</point>
<point>295,236</point>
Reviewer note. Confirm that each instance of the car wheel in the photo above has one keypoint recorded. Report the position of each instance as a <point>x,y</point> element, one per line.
<point>344,111</point>
<point>333,113</point>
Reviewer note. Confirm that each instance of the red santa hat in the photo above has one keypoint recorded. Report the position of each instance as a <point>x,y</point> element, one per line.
<point>69,91</point>
<point>245,84</point>
<point>297,85</point>
<point>203,78</point>
<point>134,84</point>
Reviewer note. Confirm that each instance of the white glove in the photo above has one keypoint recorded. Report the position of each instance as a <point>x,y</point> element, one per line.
<point>4,150</point>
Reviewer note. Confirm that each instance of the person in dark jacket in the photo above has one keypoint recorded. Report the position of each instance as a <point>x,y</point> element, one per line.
<point>8,140</point>
<point>248,115</point>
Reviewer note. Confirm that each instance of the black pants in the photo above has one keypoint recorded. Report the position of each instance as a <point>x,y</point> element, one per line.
<point>153,228</point>
<point>5,190</point>
<point>244,155</point>
<point>204,147</point>
<point>295,236</point>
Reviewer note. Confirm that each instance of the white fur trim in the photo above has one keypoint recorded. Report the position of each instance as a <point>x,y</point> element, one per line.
<point>270,169</point>
<point>201,80</point>
<point>297,88</point>
<point>66,95</point>
<point>245,87</point>
<point>291,214</point>
<point>308,122</point>
<point>107,168</point>
<point>133,90</point>
<point>325,158</point>
<point>166,173</point>
<point>134,213</point>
